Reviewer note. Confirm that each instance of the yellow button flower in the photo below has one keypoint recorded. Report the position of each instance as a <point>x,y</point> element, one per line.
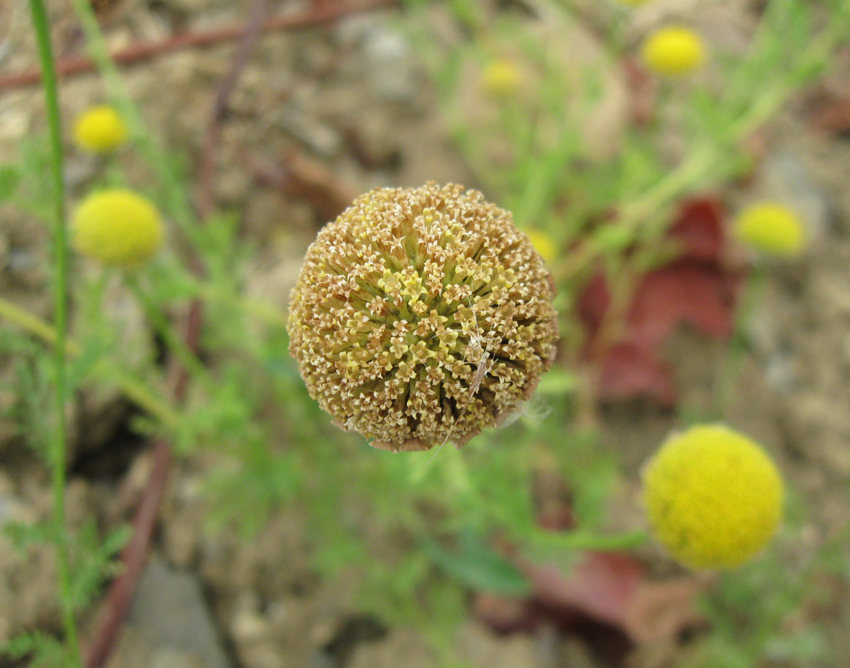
<point>673,51</point>
<point>501,78</point>
<point>713,497</point>
<point>99,130</point>
<point>772,228</point>
<point>118,227</point>
<point>543,244</point>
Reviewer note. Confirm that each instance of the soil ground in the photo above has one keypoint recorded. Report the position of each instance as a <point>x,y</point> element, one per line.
<point>354,98</point>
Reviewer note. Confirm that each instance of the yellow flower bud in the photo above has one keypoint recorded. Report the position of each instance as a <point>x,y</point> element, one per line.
<point>713,497</point>
<point>673,51</point>
<point>543,244</point>
<point>99,130</point>
<point>118,227</point>
<point>501,79</point>
<point>772,228</point>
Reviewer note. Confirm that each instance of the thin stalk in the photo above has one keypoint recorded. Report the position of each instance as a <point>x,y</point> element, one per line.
<point>163,328</point>
<point>57,449</point>
<point>173,192</point>
<point>130,387</point>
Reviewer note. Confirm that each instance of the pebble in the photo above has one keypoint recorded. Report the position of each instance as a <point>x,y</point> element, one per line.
<point>169,609</point>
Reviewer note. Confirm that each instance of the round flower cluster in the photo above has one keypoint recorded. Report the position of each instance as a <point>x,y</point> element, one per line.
<point>422,315</point>
<point>99,130</point>
<point>501,79</point>
<point>772,228</point>
<point>118,227</point>
<point>714,497</point>
<point>673,51</point>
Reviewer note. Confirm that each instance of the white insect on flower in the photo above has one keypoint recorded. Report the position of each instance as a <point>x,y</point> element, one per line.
<point>422,315</point>
<point>479,352</point>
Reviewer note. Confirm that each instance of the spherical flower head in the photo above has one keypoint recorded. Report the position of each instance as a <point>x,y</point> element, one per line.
<point>422,315</point>
<point>99,130</point>
<point>673,51</point>
<point>713,497</point>
<point>501,79</point>
<point>772,228</point>
<point>118,227</point>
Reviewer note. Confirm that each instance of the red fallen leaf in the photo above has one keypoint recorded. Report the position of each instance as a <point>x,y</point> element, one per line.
<point>606,599</point>
<point>697,288</point>
<point>699,229</point>
<point>600,586</point>
<point>659,611</point>
<point>682,292</point>
<point>832,116</point>
<point>629,370</point>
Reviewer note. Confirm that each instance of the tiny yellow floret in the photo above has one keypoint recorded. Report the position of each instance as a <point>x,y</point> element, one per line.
<point>673,51</point>
<point>543,244</point>
<point>99,130</point>
<point>771,228</point>
<point>117,227</point>
<point>501,79</point>
<point>713,497</point>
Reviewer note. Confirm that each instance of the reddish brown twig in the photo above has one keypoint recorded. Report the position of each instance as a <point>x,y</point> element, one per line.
<point>300,176</point>
<point>134,555</point>
<point>206,175</point>
<point>328,11</point>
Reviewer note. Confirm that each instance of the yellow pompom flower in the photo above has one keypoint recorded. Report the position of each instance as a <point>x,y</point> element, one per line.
<point>673,51</point>
<point>713,497</point>
<point>772,228</point>
<point>543,244</point>
<point>118,227</point>
<point>99,130</point>
<point>501,79</point>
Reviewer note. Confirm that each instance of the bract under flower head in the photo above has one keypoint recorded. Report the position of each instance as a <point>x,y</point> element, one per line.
<point>673,51</point>
<point>422,315</point>
<point>772,228</point>
<point>117,227</point>
<point>100,130</point>
<point>713,497</point>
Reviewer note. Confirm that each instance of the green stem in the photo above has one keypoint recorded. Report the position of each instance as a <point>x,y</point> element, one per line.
<point>130,387</point>
<point>585,540</point>
<point>57,450</point>
<point>162,327</point>
<point>172,190</point>
<point>737,348</point>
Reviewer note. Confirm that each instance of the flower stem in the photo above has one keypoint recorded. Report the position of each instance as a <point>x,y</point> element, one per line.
<point>130,387</point>
<point>57,449</point>
<point>173,192</point>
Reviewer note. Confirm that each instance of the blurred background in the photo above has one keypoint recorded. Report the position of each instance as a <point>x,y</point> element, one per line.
<point>281,541</point>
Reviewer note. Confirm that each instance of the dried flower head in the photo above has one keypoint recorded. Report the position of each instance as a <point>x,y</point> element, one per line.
<point>772,228</point>
<point>422,315</point>
<point>118,227</point>
<point>714,497</point>
<point>673,51</point>
<point>99,130</point>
